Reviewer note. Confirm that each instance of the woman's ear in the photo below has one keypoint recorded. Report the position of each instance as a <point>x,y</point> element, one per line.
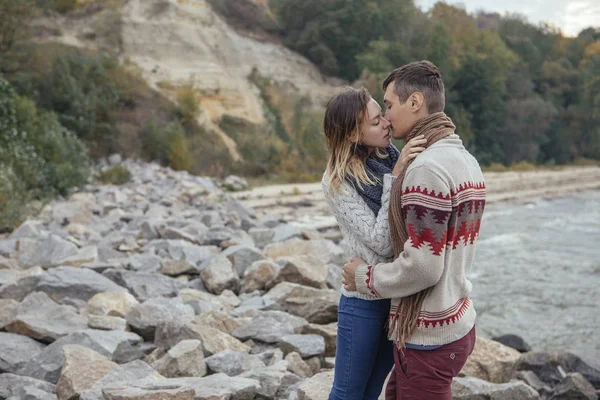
<point>355,136</point>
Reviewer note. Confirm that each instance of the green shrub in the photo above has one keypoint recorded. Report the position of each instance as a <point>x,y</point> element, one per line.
<point>495,167</point>
<point>117,175</point>
<point>38,156</point>
<point>168,145</point>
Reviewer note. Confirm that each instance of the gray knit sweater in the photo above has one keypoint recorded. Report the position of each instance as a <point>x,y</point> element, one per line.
<point>367,233</point>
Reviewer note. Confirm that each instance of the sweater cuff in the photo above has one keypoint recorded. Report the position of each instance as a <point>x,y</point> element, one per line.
<point>364,280</point>
<point>389,179</point>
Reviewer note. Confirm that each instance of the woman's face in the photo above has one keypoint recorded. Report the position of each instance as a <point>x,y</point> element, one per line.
<point>375,128</point>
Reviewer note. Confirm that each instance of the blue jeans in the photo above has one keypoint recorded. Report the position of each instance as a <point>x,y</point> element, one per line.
<point>364,355</point>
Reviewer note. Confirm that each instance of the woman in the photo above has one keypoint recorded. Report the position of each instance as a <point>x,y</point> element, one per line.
<point>361,168</point>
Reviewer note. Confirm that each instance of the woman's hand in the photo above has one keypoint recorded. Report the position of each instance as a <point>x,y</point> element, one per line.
<point>410,150</point>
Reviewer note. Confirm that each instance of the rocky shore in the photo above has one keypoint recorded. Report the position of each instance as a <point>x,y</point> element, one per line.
<point>168,287</point>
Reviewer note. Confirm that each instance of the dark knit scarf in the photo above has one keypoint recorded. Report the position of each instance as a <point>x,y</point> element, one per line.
<point>434,127</point>
<point>376,168</point>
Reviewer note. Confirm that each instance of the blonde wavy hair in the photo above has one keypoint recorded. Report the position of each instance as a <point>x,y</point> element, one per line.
<point>342,124</point>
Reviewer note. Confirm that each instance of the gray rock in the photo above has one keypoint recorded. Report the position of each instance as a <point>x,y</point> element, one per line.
<point>217,235</point>
<point>115,304</point>
<point>574,387</point>
<point>107,254</point>
<point>261,236</point>
<point>285,232</point>
<point>123,376</point>
<point>470,388</point>
<point>270,379</point>
<point>75,283</point>
<point>334,276</point>
<point>82,368</point>
<point>305,345</point>
<point>48,252</point>
<point>328,332</point>
<point>213,340</point>
<point>145,317</point>
<point>107,323</point>
<point>202,306</point>
<point>155,392</point>
<point>233,363</point>
<point>317,387</point>
<point>28,229</point>
<point>85,255</point>
<point>218,320</point>
<point>8,263</point>
<point>16,350</point>
<point>145,263</point>
<point>32,393</point>
<point>305,270</point>
<point>514,341</point>
<point>269,357</point>
<point>117,346</point>
<point>177,267</point>
<point>289,385</point>
<point>217,386</point>
<point>20,289</point>
<point>182,250</point>
<point>8,247</point>
<point>10,384</point>
<point>318,306</point>
<point>269,327</point>
<point>242,257</point>
<point>218,275</point>
<point>325,250</point>
<point>210,218</point>
<point>531,379</point>
<point>197,284</point>
<point>145,285</point>
<point>545,366</point>
<point>259,275</point>
<point>8,312</point>
<point>41,318</point>
<point>185,359</point>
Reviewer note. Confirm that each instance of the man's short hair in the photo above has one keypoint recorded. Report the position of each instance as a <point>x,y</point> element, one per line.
<point>419,76</point>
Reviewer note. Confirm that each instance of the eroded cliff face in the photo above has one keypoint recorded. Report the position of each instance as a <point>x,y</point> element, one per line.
<point>186,42</point>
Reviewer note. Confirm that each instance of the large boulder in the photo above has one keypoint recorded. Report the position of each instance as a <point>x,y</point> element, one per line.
<point>16,350</point>
<point>39,317</point>
<point>82,368</point>
<point>491,361</point>
<point>471,388</point>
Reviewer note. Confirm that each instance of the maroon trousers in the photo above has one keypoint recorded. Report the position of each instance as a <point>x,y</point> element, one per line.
<point>428,374</point>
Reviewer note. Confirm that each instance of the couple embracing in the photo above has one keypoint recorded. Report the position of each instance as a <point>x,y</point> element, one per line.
<point>411,219</point>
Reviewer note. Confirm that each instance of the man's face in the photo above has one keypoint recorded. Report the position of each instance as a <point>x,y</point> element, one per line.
<point>399,114</point>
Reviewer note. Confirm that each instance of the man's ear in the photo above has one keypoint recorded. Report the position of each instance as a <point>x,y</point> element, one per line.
<point>417,101</point>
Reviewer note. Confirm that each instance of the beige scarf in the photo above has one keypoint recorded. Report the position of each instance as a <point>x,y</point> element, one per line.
<point>434,127</point>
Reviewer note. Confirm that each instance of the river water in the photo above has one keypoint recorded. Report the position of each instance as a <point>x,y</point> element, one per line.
<point>537,273</point>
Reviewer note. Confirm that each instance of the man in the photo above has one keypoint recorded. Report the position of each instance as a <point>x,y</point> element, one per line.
<point>435,213</point>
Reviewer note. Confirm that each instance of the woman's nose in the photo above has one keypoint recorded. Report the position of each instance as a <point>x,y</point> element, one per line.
<point>386,123</point>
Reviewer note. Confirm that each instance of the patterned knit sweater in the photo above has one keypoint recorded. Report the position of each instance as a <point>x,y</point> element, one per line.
<point>367,234</point>
<point>443,197</point>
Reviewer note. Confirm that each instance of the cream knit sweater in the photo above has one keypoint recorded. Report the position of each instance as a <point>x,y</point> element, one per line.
<point>443,197</point>
<point>367,234</point>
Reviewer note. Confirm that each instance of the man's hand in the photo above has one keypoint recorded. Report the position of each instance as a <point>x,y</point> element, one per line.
<point>349,273</point>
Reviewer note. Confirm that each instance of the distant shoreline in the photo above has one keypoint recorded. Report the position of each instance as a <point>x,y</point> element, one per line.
<point>304,203</point>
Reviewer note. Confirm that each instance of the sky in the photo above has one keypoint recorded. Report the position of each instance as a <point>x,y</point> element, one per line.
<point>571,16</point>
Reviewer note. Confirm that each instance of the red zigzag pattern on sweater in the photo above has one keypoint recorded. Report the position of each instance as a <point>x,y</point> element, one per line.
<point>443,219</point>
